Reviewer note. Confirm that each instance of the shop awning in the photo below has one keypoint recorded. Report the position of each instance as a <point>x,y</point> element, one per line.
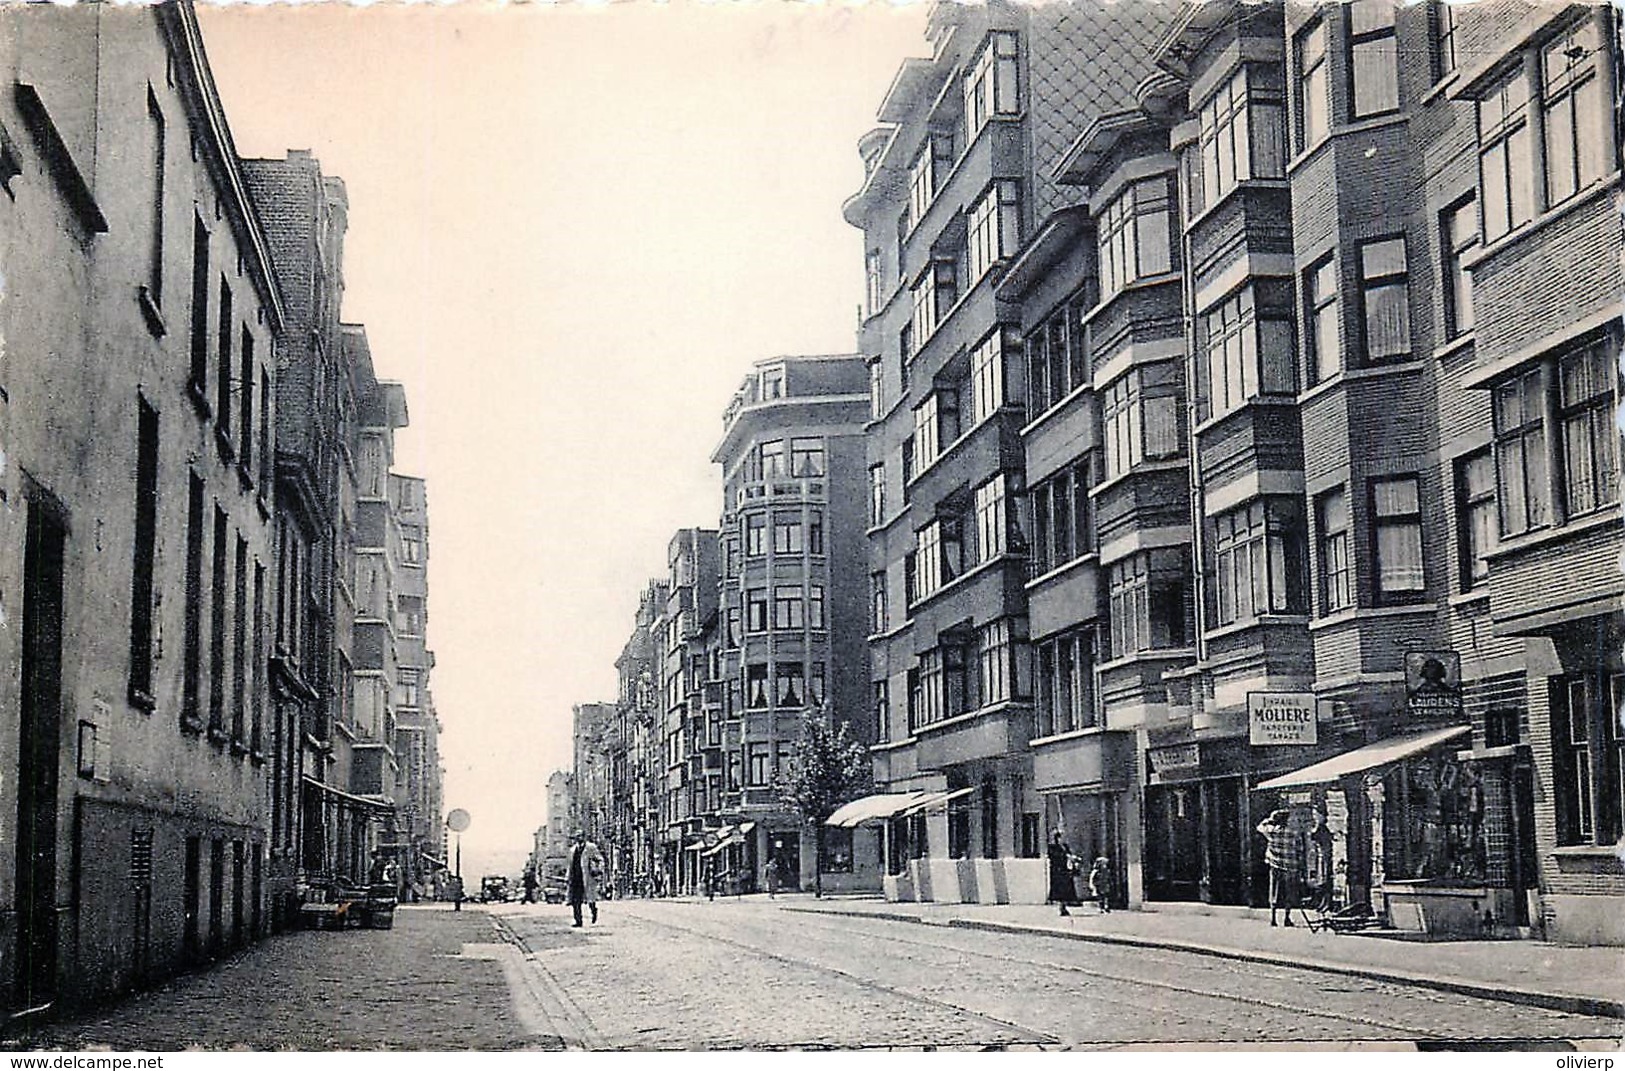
<point>1369,757</point>
<point>871,808</point>
<point>937,800</point>
<point>371,802</point>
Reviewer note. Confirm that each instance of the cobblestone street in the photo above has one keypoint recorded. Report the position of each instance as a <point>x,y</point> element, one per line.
<point>745,974</point>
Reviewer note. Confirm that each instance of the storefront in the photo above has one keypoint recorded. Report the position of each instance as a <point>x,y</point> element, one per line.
<point>1435,837</point>
<point>1086,782</point>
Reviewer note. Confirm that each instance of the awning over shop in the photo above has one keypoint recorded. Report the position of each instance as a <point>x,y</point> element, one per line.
<point>375,804</point>
<point>433,860</point>
<point>1369,757</point>
<point>934,801</point>
<point>872,808</point>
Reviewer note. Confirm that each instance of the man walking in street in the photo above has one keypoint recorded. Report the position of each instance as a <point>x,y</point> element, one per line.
<point>586,864</point>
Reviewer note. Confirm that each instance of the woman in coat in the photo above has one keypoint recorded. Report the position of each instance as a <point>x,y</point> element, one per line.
<point>586,864</point>
<point>1063,887</point>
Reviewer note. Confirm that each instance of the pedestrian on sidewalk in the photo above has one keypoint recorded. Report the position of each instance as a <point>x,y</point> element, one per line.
<point>1100,884</point>
<point>1318,863</point>
<point>1063,874</point>
<point>1283,854</point>
<point>770,874</point>
<point>530,885</point>
<point>586,864</point>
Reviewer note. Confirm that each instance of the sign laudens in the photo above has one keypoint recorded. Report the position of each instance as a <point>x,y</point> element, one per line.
<point>1281,718</point>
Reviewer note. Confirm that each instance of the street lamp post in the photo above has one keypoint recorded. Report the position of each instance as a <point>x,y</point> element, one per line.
<point>458,821</point>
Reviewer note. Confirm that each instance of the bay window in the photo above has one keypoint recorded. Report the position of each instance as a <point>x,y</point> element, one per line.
<point>1588,746</point>
<point>790,685</point>
<point>1140,413</point>
<point>1249,352</point>
<point>1577,127</point>
<point>815,606</point>
<point>806,457</point>
<point>1587,381</point>
<point>772,460</point>
<point>879,614</point>
<point>755,535</point>
<point>1057,358</point>
<point>995,227</point>
<point>1458,235</point>
<point>1506,156</point>
<point>1373,57</point>
<point>1258,561</point>
<point>787,534</point>
<point>1336,552</point>
<point>1520,453</point>
<point>1134,241</point>
<point>929,704</point>
<point>1396,539</point>
<point>877,391</point>
<point>1240,139</point>
<point>1000,652</point>
<point>928,560</point>
<point>992,81</point>
<point>992,519</point>
<point>788,609</point>
<point>1147,596</point>
<point>1064,684</point>
<point>756,609</point>
<point>1475,516</point>
<point>1324,332</point>
<point>1386,299</point>
<point>873,290</point>
<point>1313,88</point>
<point>1060,517</point>
<point>877,495</point>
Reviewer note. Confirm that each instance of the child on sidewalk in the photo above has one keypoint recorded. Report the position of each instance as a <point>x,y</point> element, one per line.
<point>1100,884</point>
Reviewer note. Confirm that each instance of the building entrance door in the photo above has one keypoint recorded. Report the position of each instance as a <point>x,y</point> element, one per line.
<point>1224,841</point>
<point>1173,842</point>
<point>38,753</point>
<point>786,848</point>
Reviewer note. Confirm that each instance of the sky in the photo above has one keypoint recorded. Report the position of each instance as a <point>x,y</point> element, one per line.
<point>572,229</point>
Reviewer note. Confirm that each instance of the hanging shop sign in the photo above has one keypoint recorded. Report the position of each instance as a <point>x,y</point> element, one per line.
<point>1275,718</point>
<point>1433,684</point>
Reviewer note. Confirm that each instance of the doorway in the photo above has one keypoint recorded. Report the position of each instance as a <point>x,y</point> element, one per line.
<point>1173,842</point>
<point>786,848</point>
<point>38,753</point>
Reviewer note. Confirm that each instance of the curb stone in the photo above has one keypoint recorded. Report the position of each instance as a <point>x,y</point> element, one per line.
<point>1572,1003</point>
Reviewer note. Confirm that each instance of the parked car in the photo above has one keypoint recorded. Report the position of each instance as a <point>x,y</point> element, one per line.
<point>553,894</point>
<point>493,888</point>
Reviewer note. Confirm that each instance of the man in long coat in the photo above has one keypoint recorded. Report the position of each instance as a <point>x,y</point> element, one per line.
<point>586,864</point>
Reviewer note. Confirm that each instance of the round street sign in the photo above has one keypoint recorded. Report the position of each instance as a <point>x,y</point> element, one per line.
<point>457,821</point>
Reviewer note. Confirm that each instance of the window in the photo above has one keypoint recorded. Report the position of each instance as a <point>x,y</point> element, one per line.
<point>1057,358</point>
<point>759,756</point>
<point>1588,746</point>
<point>1373,57</point>
<point>755,535</point>
<point>993,85</point>
<point>837,849</point>
<point>155,249</point>
<point>1385,296</point>
<point>200,312</point>
<point>998,663</point>
<point>872,288</point>
<point>756,685</point>
<point>815,685</point>
<point>815,606</point>
<point>909,468</point>
<point>1061,525</point>
<point>877,390</point>
<point>146,531</point>
<point>1475,516</point>
<point>787,533</point>
<point>936,425</point>
<point>756,609</point>
<point>772,455</point>
<point>217,629</point>
<point>1246,355</point>
<point>245,442</point>
<point>934,293</point>
<point>256,732</point>
<point>1320,294</point>
<point>1586,391</point>
<point>412,544</point>
<point>926,173</point>
<point>1577,129</point>
<point>239,642</point>
<point>734,636</point>
<point>409,615</point>
<point>1240,139</point>
<point>1458,235</point>
<point>915,697</point>
<point>992,531</point>
<point>1134,235</point>
<point>958,830</point>
<point>1336,552</point>
<point>1444,38</point>
<point>882,712</point>
<point>1140,412</point>
<point>1396,522</point>
<point>772,383</point>
<point>987,393</point>
<point>407,686</point>
<point>1314,87</point>
<point>877,495</point>
<point>788,608</point>
<point>928,559</point>
<point>1520,454</point>
<point>911,579</point>
<point>815,533</point>
<point>1505,156</point>
<point>1066,684</point>
<point>930,705</point>
<point>1258,561</point>
<point>1147,600</point>
<point>878,616</point>
<point>223,382</point>
<point>995,227</point>
<point>806,457</point>
<point>791,690</point>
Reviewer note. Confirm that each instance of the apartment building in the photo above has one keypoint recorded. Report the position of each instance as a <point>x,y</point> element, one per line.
<point>137,398</point>
<point>958,180</point>
<point>418,847</point>
<point>1320,503</point>
<point>793,608</point>
<point>637,797</point>
<point>690,762</point>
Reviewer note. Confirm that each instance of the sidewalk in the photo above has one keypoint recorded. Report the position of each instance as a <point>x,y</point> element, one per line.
<point>409,988</point>
<point>1586,981</point>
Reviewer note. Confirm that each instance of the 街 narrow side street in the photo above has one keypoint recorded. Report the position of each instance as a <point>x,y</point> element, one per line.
<point>795,973</point>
